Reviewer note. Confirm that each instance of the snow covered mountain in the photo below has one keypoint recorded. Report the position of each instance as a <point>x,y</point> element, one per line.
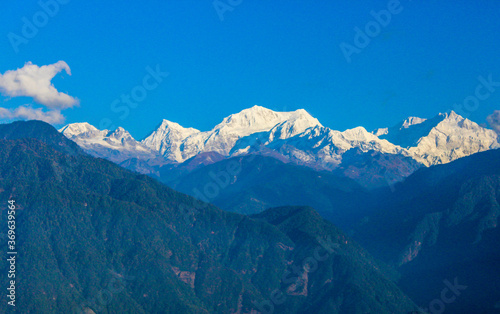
<point>167,140</point>
<point>319,147</point>
<point>116,146</point>
<point>442,139</point>
<point>179,144</point>
<point>295,137</point>
<point>403,125</point>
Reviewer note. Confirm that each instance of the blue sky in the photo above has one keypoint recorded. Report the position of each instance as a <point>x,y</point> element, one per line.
<point>283,55</point>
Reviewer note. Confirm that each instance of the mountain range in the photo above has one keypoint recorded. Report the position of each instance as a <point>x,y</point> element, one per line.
<point>91,228</point>
<point>297,137</point>
<point>96,238</point>
<point>261,182</point>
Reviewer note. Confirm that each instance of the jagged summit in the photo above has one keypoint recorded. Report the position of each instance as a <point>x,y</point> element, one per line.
<point>166,136</point>
<point>411,121</point>
<point>405,124</point>
<point>174,125</point>
<point>177,143</point>
<point>294,135</point>
<point>119,133</point>
<point>258,119</point>
<point>441,139</point>
<point>81,129</point>
<point>117,145</point>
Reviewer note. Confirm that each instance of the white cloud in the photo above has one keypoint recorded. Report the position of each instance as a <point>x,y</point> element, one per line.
<point>28,113</point>
<point>494,121</point>
<point>34,81</point>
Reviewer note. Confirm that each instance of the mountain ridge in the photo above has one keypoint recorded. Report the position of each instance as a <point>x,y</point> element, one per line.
<point>90,227</point>
<point>296,137</point>
<point>442,223</point>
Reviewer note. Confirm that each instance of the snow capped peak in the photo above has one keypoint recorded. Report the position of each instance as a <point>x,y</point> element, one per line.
<point>177,143</point>
<point>293,135</point>
<point>302,116</point>
<point>117,145</point>
<point>408,132</point>
<point>166,124</point>
<point>380,131</point>
<point>80,129</point>
<point>77,128</point>
<point>405,124</point>
<point>169,128</point>
<point>167,138</point>
<point>256,108</point>
<point>261,119</point>
<point>450,137</point>
<point>359,137</point>
<point>411,121</point>
<point>119,134</point>
<point>452,115</point>
<point>356,134</point>
<point>255,119</point>
<point>295,122</point>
